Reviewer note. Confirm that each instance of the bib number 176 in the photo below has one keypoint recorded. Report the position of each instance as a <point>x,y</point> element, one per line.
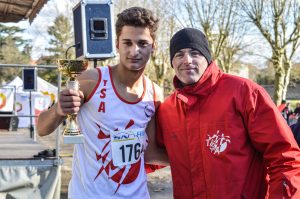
<point>131,152</point>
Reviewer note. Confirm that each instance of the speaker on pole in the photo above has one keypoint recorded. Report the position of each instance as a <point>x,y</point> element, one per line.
<point>29,84</point>
<point>29,79</point>
<point>94,29</point>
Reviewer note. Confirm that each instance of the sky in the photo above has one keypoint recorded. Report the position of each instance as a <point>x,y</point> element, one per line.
<point>37,30</point>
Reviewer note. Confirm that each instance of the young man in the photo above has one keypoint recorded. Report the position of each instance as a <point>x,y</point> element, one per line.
<point>224,136</point>
<point>115,104</point>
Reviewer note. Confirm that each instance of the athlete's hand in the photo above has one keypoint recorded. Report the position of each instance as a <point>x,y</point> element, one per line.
<point>69,102</point>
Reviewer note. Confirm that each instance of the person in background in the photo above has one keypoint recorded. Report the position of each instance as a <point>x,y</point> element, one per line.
<point>296,131</point>
<point>224,136</point>
<point>297,110</point>
<point>287,112</point>
<point>282,105</point>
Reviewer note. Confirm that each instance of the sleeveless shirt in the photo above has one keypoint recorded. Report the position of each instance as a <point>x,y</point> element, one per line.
<point>105,112</point>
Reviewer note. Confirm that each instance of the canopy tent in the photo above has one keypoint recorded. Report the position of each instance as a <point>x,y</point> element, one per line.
<point>17,10</point>
<point>42,86</point>
<point>42,99</point>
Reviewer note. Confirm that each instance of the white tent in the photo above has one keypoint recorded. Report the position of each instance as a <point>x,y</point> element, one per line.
<point>42,86</point>
<point>40,100</point>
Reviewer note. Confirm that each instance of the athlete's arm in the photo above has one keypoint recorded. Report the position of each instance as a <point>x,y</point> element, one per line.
<point>69,101</point>
<point>155,154</point>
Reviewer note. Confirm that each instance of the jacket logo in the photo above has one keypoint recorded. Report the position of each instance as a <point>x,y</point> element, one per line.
<point>217,143</point>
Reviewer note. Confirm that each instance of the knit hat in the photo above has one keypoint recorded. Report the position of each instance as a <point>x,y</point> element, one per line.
<point>190,38</point>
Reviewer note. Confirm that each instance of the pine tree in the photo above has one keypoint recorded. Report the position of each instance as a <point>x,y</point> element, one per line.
<point>13,50</point>
<point>61,36</point>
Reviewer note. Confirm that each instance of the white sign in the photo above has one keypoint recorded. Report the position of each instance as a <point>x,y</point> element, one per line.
<point>39,103</point>
<point>7,99</point>
<point>127,146</point>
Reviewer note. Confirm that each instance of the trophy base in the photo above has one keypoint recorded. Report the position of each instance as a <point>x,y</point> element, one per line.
<point>73,139</point>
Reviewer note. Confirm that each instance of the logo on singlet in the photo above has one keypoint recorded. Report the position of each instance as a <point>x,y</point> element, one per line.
<point>148,111</point>
<point>217,143</point>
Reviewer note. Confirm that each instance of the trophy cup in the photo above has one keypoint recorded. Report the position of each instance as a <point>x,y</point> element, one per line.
<point>71,68</point>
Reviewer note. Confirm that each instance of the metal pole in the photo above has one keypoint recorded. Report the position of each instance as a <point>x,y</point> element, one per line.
<point>95,63</point>
<point>58,132</point>
<point>58,161</point>
<point>30,111</point>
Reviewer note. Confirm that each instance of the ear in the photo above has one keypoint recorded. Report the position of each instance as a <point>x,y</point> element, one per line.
<point>154,45</point>
<point>117,45</point>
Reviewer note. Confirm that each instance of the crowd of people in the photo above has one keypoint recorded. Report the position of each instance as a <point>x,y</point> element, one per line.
<point>288,113</point>
<point>292,117</point>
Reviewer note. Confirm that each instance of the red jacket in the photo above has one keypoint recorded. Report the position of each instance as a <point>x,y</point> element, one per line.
<point>223,136</point>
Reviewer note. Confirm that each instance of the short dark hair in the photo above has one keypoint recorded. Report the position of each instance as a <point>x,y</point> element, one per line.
<point>137,17</point>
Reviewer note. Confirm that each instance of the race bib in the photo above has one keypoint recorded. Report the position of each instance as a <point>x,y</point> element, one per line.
<point>127,146</point>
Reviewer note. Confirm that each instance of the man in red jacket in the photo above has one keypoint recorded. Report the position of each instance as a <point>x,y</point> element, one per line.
<point>224,136</point>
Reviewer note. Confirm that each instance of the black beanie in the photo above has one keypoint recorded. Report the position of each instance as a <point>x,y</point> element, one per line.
<point>190,38</point>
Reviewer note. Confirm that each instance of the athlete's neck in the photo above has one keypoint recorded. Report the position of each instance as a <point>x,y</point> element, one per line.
<point>129,84</point>
<point>127,78</point>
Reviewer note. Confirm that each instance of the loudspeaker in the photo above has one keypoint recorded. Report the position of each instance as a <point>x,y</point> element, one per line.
<point>29,79</point>
<point>94,29</point>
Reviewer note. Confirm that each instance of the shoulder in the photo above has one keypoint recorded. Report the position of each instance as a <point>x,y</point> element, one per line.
<point>239,83</point>
<point>244,93</point>
<point>169,101</point>
<point>236,79</point>
<point>90,74</point>
<point>88,80</point>
<point>159,96</point>
<point>157,92</point>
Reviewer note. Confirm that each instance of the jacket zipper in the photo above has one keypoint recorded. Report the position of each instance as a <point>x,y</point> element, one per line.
<point>287,189</point>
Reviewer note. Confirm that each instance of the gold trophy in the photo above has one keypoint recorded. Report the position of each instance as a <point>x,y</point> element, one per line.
<point>71,68</point>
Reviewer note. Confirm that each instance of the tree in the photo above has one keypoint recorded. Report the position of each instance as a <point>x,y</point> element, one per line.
<point>61,34</point>
<point>265,75</point>
<point>220,23</point>
<point>160,59</point>
<point>278,21</point>
<point>14,50</point>
<point>61,37</point>
<point>295,74</point>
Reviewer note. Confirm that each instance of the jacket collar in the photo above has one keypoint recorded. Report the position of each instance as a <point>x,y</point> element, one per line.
<point>203,87</point>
